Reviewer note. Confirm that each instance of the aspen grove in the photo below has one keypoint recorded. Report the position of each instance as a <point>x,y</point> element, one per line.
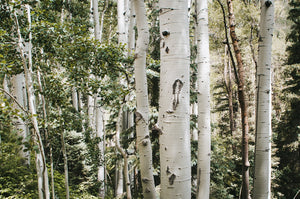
<point>170,99</point>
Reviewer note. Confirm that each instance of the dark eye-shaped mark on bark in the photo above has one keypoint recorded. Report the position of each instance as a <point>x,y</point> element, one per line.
<point>172,179</point>
<point>176,92</point>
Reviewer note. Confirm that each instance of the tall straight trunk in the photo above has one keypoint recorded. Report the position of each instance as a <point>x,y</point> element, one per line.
<point>142,112</point>
<point>174,102</point>
<point>262,175</point>
<point>121,22</point>
<point>45,126</point>
<point>243,103</point>
<point>98,114</point>
<point>228,85</point>
<point>18,90</point>
<point>203,96</point>
<point>119,179</point>
<point>64,150</point>
<point>43,186</point>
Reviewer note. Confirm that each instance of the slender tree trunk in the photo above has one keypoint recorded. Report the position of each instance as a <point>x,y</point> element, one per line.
<point>119,179</point>
<point>65,164</point>
<point>203,96</point>
<point>262,175</point>
<point>174,117</point>
<point>45,126</point>
<point>123,153</point>
<point>242,101</point>
<point>98,121</point>
<point>142,113</point>
<point>121,22</point>
<point>43,186</point>
<point>228,85</point>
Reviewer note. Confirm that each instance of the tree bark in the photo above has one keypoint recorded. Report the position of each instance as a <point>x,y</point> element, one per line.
<point>18,90</point>
<point>203,96</point>
<point>262,175</point>
<point>64,150</point>
<point>142,113</point>
<point>174,102</point>
<point>43,184</point>
<point>243,103</point>
<point>123,153</point>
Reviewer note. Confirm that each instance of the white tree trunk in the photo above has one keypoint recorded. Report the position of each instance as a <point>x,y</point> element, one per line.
<point>122,152</point>
<point>174,117</point>
<point>64,150</point>
<point>121,22</point>
<point>18,90</point>
<point>75,98</point>
<point>43,184</point>
<point>203,96</point>
<point>262,175</point>
<point>98,120</point>
<point>119,179</point>
<point>142,113</point>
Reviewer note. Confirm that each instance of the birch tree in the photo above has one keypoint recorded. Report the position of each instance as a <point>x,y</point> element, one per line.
<point>203,97</point>
<point>174,102</point>
<point>142,113</point>
<point>262,175</point>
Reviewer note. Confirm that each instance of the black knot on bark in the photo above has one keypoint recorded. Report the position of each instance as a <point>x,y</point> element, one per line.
<point>165,33</point>
<point>268,3</point>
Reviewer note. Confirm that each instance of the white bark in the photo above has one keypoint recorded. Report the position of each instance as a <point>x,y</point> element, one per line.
<point>75,98</point>
<point>18,90</point>
<point>262,175</point>
<point>203,96</point>
<point>131,30</point>
<point>122,152</point>
<point>96,20</point>
<point>64,150</point>
<point>142,113</point>
<point>101,147</point>
<point>121,22</point>
<point>119,179</point>
<point>174,101</point>
<point>97,112</point>
<point>43,185</point>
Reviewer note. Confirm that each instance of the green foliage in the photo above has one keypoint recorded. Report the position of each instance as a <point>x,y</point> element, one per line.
<point>294,35</point>
<point>17,178</point>
<point>287,137</point>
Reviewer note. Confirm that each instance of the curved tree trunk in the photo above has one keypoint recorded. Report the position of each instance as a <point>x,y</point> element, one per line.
<point>262,175</point>
<point>203,96</point>
<point>123,153</point>
<point>142,113</point>
<point>242,101</point>
<point>174,102</point>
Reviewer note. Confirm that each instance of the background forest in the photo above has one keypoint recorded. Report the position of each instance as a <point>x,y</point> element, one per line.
<point>68,98</point>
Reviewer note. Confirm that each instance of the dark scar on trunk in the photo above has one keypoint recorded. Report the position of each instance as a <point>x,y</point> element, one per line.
<point>177,85</point>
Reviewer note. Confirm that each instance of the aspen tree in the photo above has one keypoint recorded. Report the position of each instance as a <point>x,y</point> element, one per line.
<point>99,122</point>
<point>174,102</point>
<point>262,175</point>
<point>18,90</point>
<point>203,96</point>
<point>142,113</point>
<point>42,173</point>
